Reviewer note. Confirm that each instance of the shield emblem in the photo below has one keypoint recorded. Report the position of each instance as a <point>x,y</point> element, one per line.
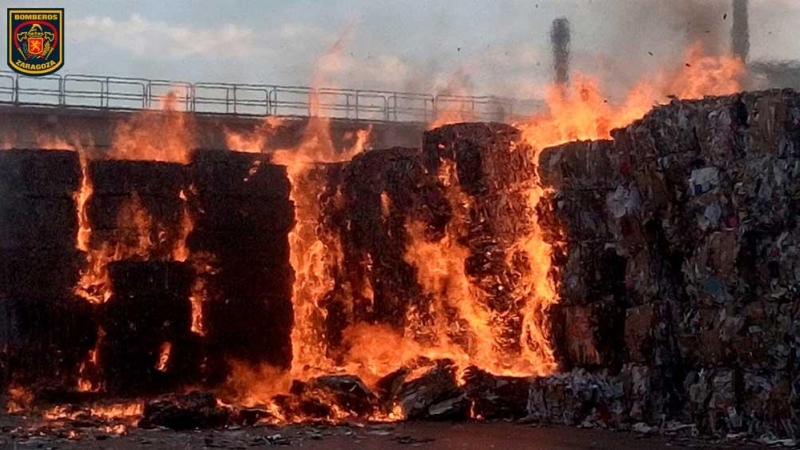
<point>35,46</point>
<point>35,40</point>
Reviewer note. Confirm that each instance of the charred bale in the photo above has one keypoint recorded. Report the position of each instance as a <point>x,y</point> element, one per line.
<point>434,395</point>
<point>148,342</point>
<point>488,171</point>
<point>384,191</point>
<point>242,216</point>
<point>497,397</point>
<point>45,328</point>
<point>134,202</point>
<point>195,410</point>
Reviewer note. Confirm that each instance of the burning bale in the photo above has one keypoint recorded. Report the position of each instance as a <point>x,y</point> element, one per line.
<point>45,328</point>
<point>383,190</point>
<point>239,244</point>
<point>488,173</point>
<point>148,344</point>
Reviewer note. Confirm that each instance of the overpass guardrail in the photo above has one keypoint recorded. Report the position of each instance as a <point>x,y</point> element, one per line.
<point>120,93</point>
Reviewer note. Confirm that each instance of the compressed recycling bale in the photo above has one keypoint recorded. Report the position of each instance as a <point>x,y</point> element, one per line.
<point>132,210</point>
<point>574,216</point>
<point>235,174</point>
<point>765,192</point>
<point>147,178</point>
<point>488,171</point>
<point>706,336</point>
<point>711,271</point>
<point>39,173</point>
<point>420,396</point>
<point>148,312</point>
<point>383,191</point>
<point>246,214</point>
<point>638,335</point>
<point>578,166</point>
<point>714,399</point>
<point>589,271</point>
<point>45,338</point>
<point>769,118</point>
<point>767,404</point>
<point>497,397</point>
<point>242,216</point>
<point>39,273</point>
<point>40,222</point>
<point>565,398</point>
<point>262,334</point>
<point>590,335</point>
<point>625,220</point>
<point>488,157</point>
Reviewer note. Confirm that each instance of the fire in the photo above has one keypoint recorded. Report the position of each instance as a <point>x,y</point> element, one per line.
<point>167,135</point>
<point>129,412</point>
<point>257,141</point>
<point>19,399</point>
<point>582,111</point>
<point>454,321</point>
<point>163,356</point>
<point>312,255</point>
<point>82,197</point>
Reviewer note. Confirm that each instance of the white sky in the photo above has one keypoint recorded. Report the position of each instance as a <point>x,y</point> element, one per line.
<point>488,47</point>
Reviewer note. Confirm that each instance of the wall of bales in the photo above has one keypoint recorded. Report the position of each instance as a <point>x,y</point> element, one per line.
<point>680,275</point>
<point>236,242</point>
<point>675,246</point>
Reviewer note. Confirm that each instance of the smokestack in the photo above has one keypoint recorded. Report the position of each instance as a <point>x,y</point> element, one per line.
<point>559,39</point>
<point>741,29</point>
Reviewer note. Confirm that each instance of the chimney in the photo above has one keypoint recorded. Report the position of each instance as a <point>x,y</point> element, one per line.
<point>560,39</point>
<point>740,33</point>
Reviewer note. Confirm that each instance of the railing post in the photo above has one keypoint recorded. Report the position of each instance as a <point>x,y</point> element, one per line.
<point>107,92</point>
<point>227,100</point>
<point>61,94</point>
<point>148,94</point>
<point>234,99</point>
<point>16,89</point>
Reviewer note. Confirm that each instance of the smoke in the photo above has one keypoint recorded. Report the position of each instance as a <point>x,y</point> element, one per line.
<point>632,38</point>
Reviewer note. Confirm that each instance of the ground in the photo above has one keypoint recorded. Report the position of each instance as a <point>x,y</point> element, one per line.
<point>432,436</point>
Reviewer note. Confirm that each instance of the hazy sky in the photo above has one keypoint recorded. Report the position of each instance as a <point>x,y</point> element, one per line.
<point>487,47</point>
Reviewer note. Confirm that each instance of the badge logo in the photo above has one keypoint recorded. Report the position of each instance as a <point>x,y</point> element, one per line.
<point>35,40</point>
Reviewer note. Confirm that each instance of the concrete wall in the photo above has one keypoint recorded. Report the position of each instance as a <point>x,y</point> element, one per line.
<point>24,126</point>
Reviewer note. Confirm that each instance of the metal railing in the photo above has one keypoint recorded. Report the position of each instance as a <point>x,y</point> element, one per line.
<point>90,91</point>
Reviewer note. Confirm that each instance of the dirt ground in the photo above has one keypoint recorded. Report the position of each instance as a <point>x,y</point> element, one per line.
<point>432,436</point>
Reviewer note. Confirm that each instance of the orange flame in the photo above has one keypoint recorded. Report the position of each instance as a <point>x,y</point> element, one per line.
<point>167,135</point>
<point>82,197</point>
<point>163,356</point>
<point>257,141</point>
<point>582,111</point>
